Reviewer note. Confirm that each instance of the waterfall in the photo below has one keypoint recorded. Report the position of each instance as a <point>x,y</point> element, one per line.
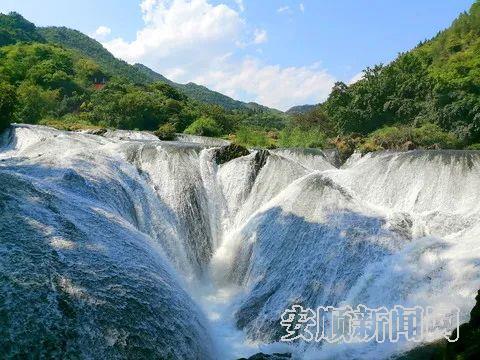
<point>85,270</point>
<point>124,245</point>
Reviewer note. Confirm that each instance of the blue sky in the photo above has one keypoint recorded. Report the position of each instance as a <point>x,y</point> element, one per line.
<point>278,53</point>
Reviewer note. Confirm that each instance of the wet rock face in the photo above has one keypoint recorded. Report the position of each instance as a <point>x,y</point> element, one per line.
<point>468,345</point>
<point>99,132</point>
<point>80,277</point>
<point>409,145</point>
<point>333,156</point>
<point>475,314</point>
<point>274,356</point>
<point>260,160</point>
<point>230,152</point>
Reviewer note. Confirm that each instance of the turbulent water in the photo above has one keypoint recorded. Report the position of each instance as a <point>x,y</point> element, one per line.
<point>124,246</point>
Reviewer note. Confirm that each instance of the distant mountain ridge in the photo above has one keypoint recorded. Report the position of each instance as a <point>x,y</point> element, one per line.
<point>300,109</point>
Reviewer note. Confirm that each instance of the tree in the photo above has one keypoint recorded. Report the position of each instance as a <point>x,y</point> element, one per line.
<point>34,103</point>
<point>166,132</point>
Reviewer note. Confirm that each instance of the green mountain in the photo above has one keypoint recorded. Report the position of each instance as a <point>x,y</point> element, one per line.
<point>428,97</point>
<point>14,28</point>
<point>91,48</point>
<point>202,93</point>
<point>137,73</point>
<point>147,72</point>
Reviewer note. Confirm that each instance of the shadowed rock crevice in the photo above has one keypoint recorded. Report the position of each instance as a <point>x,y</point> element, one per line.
<point>230,152</point>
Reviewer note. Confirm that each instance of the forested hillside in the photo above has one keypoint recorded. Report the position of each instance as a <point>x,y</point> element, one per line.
<point>61,77</point>
<point>432,91</point>
<point>91,48</point>
<point>15,28</point>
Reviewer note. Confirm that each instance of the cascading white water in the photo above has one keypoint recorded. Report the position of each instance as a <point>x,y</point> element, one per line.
<point>83,270</point>
<point>110,238</point>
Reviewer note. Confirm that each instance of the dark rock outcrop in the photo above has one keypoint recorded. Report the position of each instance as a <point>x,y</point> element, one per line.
<point>260,159</point>
<point>468,345</point>
<point>409,145</point>
<point>230,152</point>
<point>99,132</point>
<point>274,356</point>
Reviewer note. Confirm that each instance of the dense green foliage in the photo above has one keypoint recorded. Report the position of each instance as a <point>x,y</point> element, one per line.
<point>427,136</point>
<point>305,138</point>
<point>204,126</point>
<point>255,138</point>
<point>52,82</point>
<point>166,132</point>
<point>7,104</point>
<point>14,28</point>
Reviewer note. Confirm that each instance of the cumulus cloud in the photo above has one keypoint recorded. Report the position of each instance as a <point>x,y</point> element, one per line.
<point>195,30</point>
<point>102,32</point>
<point>302,7</point>
<point>194,40</point>
<point>260,36</point>
<point>271,85</point>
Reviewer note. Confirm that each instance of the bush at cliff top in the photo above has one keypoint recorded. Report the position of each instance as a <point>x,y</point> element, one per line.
<point>474,147</point>
<point>204,126</point>
<point>427,136</point>
<point>252,138</point>
<point>166,132</point>
<point>7,104</point>
<point>298,137</point>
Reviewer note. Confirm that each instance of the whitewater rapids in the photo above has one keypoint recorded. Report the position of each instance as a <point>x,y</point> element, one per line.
<point>124,246</point>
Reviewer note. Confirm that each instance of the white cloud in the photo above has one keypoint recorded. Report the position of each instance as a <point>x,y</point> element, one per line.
<point>181,33</point>
<point>356,77</point>
<point>193,40</point>
<point>271,85</point>
<point>283,9</point>
<point>102,32</point>
<point>302,7</point>
<point>240,5</point>
<point>260,36</point>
